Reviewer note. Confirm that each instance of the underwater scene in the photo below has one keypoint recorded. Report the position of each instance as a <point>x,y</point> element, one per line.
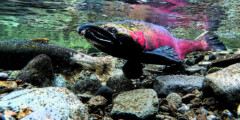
<point>119,59</point>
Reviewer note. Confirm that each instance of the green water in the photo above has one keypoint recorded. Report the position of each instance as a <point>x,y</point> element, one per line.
<point>58,20</point>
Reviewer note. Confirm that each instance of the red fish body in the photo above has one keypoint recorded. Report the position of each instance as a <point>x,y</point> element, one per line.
<point>144,42</point>
<point>156,36</point>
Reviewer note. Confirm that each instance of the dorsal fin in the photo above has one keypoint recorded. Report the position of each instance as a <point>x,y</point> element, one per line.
<point>41,40</point>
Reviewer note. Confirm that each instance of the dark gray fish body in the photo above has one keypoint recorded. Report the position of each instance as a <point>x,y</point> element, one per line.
<point>14,55</point>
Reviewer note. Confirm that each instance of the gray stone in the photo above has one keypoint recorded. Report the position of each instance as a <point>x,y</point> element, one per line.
<point>60,81</point>
<point>184,108</point>
<point>3,76</point>
<point>237,51</point>
<point>206,64</point>
<point>106,92</point>
<point>165,85</point>
<point>195,68</point>
<point>97,102</point>
<point>224,84</point>
<point>120,83</point>
<point>154,68</point>
<point>209,57</point>
<point>38,71</point>
<point>164,117</point>
<point>66,104</point>
<point>86,84</point>
<point>226,60</point>
<point>174,100</point>
<point>212,117</point>
<point>106,118</point>
<point>203,111</point>
<point>135,104</point>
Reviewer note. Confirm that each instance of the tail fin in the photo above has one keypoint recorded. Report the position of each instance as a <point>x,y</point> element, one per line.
<point>214,43</point>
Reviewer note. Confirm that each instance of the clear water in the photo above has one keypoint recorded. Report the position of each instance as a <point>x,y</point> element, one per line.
<point>58,19</point>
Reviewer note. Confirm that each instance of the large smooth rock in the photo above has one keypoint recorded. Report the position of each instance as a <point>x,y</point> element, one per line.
<point>64,102</point>
<point>165,85</point>
<point>38,71</point>
<point>224,84</point>
<point>135,104</point>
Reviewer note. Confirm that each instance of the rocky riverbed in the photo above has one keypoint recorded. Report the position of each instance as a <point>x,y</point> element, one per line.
<point>206,87</point>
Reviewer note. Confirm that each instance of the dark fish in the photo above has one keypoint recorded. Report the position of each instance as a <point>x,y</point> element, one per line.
<point>142,42</point>
<point>16,54</point>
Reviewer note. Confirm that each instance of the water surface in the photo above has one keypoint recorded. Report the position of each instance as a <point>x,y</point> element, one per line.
<point>58,19</point>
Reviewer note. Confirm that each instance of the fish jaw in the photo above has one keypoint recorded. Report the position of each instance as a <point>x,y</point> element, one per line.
<point>96,35</point>
<point>111,39</point>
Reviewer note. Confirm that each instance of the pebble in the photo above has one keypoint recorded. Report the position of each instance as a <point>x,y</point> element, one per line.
<point>164,108</point>
<point>206,64</point>
<point>120,83</point>
<point>209,57</point>
<point>212,117</point>
<point>174,99</point>
<point>226,115</point>
<point>89,84</point>
<point>184,108</point>
<point>163,117</point>
<point>237,51</point>
<point>135,104</point>
<point>106,92</point>
<point>97,102</point>
<point>6,86</point>
<point>3,76</point>
<point>202,111</point>
<point>195,69</point>
<point>60,81</point>
<point>107,118</point>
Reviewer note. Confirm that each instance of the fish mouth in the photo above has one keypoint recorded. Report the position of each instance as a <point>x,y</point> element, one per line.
<point>96,35</point>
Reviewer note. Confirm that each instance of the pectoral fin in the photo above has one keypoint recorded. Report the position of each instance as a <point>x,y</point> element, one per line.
<point>165,51</point>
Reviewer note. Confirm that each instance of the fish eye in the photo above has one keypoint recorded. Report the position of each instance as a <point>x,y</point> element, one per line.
<point>112,30</point>
<point>102,26</point>
<point>132,25</point>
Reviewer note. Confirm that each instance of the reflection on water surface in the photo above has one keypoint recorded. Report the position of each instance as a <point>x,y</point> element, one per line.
<point>58,19</point>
